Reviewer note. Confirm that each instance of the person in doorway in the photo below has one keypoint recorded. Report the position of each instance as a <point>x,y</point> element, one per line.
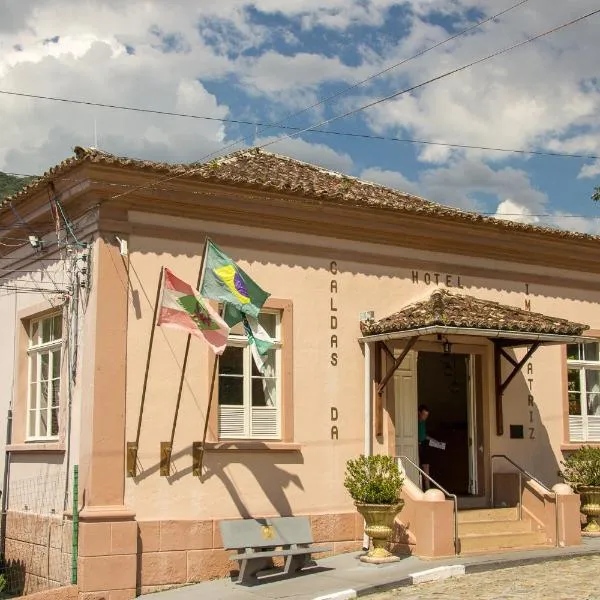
<point>423,439</point>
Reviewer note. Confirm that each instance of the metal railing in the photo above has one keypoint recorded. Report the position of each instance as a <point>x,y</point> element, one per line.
<point>530,477</point>
<point>446,493</point>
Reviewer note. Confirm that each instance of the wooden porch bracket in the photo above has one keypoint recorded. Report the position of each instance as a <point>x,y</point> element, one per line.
<point>387,350</point>
<point>500,385</point>
<point>397,363</point>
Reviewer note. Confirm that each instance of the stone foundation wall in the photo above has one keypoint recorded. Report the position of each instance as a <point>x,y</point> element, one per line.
<point>173,553</point>
<point>37,552</point>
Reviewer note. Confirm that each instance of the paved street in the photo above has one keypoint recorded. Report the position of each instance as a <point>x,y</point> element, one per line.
<point>569,579</point>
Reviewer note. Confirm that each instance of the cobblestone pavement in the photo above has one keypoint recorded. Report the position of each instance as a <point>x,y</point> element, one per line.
<point>568,579</point>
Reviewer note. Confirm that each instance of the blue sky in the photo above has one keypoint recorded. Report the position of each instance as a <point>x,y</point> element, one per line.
<point>263,60</point>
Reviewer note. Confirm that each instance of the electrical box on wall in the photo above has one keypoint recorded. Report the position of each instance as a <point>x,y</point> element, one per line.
<point>516,432</point>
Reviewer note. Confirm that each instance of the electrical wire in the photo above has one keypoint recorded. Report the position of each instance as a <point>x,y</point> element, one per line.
<point>436,78</point>
<point>379,100</point>
<point>377,74</point>
<point>385,138</point>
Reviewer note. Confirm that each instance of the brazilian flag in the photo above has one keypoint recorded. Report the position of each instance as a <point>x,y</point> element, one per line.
<point>225,281</point>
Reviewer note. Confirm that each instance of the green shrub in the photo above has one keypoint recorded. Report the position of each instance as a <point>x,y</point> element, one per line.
<point>2,582</point>
<point>373,479</point>
<point>582,467</point>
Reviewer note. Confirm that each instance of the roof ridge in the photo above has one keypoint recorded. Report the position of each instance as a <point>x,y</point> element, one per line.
<point>265,170</point>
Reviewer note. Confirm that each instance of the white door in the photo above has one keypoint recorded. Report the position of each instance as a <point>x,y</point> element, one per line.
<point>472,421</point>
<point>405,391</point>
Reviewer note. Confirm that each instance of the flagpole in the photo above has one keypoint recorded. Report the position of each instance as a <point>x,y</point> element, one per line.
<point>184,366</point>
<point>212,387</point>
<point>210,400</point>
<point>132,467</point>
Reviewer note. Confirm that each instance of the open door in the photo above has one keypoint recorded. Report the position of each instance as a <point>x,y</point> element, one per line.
<point>405,398</point>
<point>472,421</point>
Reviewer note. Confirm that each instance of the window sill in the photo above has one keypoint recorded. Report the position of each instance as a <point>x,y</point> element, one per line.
<point>578,445</point>
<point>251,446</point>
<point>36,447</point>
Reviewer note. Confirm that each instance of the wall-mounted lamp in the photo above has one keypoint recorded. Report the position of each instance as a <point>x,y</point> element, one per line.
<point>36,242</point>
<point>447,346</point>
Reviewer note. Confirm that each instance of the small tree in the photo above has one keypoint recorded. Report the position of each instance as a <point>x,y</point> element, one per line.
<point>373,479</point>
<point>582,467</point>
<point>596,194</point>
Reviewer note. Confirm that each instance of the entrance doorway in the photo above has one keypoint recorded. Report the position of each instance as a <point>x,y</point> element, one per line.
<point>444,385</point>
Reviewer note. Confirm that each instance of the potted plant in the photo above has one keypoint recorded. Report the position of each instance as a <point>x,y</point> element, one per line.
<point>581,470</point>
<point>374,483</point>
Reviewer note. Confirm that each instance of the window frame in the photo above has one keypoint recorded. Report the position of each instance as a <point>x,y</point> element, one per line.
<point>35,351</point>
<point>582,366</point>
<point>239,340</point>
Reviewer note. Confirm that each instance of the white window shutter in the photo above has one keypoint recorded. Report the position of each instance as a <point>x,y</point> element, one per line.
<point>576,433</point>
<point>231,421</point>
<point>593,429</point>
<point>265,422</point>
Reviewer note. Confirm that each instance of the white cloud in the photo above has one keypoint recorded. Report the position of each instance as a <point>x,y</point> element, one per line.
<point>590,170</point>
<point>523,99</point>
<point>89,61</point>
<point>391,179</point>
<point>460,183</point>
<point>512,211</point>
<point>316,154</point>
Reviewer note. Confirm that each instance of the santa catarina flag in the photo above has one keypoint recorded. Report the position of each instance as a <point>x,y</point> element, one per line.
<point>224,281</point>
<point>182,308</point>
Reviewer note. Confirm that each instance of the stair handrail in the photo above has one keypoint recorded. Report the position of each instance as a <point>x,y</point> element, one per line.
<point>522,472</point>
<point>446,493</point>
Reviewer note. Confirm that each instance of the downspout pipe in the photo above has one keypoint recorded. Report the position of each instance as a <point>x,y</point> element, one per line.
<point>5,482</point>
<point>368,449</point>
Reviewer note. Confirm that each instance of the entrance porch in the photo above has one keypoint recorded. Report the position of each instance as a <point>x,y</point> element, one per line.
<point>458,355</point>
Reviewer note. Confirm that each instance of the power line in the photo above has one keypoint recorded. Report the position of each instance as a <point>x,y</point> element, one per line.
<point>385,138</point>
<point>382,72</point>
<point>380,100</point>
<point>436,78</point>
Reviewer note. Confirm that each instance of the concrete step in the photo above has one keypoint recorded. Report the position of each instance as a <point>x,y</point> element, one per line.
<point>501,541</point>
<point>488,527</point>
<point>478,515</point>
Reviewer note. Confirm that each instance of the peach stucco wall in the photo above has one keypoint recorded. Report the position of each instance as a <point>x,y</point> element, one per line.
<point>310,480</point>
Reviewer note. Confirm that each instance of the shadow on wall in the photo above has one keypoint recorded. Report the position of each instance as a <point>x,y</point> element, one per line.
<point>12,577</point>
<point>273,480</point>
<point>261,463</point>
<point>534,451</point>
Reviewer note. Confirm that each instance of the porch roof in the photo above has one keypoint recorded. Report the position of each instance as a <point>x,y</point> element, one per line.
<point>448,313</point>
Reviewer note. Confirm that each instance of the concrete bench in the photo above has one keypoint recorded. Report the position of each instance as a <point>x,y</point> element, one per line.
<point>258,541</point>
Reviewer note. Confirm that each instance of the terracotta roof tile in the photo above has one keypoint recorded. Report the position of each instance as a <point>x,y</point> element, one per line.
<point>453,310</point>
<point>256,169</point>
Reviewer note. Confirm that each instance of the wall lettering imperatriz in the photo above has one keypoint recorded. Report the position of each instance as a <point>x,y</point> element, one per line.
<point>429,278</point>
<point>530,402</point>
<point>527,300</point>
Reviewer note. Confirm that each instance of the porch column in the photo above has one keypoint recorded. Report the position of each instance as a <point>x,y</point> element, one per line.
<point>368,400</point>
<point>108,530</point>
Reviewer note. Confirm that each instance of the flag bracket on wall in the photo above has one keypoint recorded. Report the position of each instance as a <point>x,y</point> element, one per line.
<point>132,449</point>
<point>165,458</point>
